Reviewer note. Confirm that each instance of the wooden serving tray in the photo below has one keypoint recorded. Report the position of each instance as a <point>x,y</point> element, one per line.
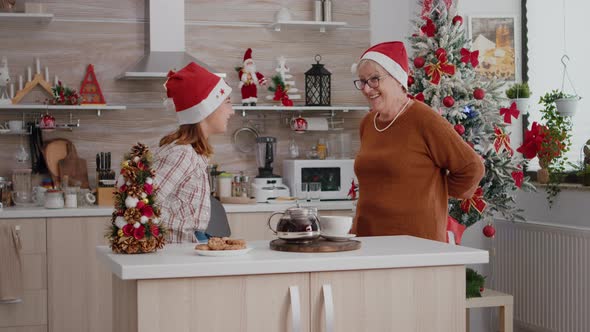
<point>319,245</point>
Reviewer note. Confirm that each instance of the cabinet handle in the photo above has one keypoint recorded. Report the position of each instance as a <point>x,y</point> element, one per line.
<point>295,308</point>
<point>328,307</point>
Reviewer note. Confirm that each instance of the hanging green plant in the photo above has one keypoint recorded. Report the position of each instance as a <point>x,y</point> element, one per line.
<point>559,128</point>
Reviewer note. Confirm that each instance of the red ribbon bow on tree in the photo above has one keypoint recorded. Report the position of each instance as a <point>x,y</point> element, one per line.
<point>435,70</point>
<point>429,28</point>
<point>476,201</point>
<point>467,57</point>
<point>509,113</point>
<point>518,177</point>
<point>281,95</point>
<point>502,141</point>
<point>427,6</point>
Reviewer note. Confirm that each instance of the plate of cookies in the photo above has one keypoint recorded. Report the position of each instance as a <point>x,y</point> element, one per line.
<point>223,246</point>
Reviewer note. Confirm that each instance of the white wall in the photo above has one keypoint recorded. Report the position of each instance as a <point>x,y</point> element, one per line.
<point>546,46</point>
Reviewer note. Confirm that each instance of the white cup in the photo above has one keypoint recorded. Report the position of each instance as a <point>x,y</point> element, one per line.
<point>335,225</point>
<point>15,125</point>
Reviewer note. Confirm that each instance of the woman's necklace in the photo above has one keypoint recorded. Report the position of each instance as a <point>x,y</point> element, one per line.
<point>392,121</point>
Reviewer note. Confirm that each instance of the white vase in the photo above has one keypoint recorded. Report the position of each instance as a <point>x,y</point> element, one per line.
<point>522,104</point>
<point>567,106</point>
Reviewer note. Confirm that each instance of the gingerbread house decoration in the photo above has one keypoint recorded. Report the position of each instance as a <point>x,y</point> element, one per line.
<point>90,90</point>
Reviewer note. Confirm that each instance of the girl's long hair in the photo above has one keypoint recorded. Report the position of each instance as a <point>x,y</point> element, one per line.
<point>189,134</point>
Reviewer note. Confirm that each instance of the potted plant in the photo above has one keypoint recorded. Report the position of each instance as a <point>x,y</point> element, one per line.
<point>549,142</point>
<point>520,94</point>
<point>567,104</point>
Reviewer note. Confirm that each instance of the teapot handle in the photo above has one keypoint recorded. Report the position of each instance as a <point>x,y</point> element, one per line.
<point>268,222</point>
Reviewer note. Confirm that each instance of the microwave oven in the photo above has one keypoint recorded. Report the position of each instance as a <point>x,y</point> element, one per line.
<point>335,176</point>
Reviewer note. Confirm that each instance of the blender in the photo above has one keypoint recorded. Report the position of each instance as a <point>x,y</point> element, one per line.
<point>267,186</point>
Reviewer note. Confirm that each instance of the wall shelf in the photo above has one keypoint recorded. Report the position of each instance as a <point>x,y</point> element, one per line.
<point>40,107</point>
<point>298,108</point>
<point>39,18</point>
<point>308,25</point>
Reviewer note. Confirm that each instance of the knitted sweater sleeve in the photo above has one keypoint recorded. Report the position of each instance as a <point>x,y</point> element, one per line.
<point>449,152</point>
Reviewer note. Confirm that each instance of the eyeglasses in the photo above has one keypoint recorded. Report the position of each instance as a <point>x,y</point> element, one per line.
<point>373,82</point>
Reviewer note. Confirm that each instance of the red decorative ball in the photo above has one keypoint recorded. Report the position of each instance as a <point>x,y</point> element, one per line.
<point>448,101</point>
<point>460,129</point>
<point>440,51</point>
<point>419,62</point>
<point>479,93</point>
<point>420,97</point>
<point>489,231</point>
<point>410,81</point>
<point>457,19</point>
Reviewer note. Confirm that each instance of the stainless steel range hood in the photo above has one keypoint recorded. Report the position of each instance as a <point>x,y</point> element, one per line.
<point>166,45</point>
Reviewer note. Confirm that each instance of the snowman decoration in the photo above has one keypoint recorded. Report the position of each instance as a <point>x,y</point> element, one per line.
<point>283,70</point>
<point>4,82</point>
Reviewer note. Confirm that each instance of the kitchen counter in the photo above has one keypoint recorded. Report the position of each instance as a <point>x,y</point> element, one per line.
<point>393,283</point>
<point>97,211</point>
<point>181,260</point>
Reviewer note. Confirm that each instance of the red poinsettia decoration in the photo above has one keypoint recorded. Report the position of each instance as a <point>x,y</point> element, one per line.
<point>470,57</point>
<point>139,232</point>
<point>509,113</point>
<point>541,142</point>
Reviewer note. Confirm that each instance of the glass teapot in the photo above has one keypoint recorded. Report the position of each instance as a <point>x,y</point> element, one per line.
<point>297,224</point>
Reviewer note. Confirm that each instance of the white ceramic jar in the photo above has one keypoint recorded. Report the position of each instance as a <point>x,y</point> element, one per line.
<point>54,199</point>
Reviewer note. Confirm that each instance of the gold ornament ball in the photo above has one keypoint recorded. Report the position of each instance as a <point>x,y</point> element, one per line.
<point>145,200</point>
<point>120,233</point>
<point>125,164</point>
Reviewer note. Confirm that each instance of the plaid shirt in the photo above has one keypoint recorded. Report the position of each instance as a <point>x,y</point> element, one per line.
<point>183,183</point>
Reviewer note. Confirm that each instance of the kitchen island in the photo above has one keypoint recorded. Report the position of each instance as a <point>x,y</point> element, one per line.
<point>396,283</point>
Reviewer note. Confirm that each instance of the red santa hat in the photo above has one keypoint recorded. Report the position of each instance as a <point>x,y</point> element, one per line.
<point>195,93</point>
<point>248,55</point>
<point>392,57</point>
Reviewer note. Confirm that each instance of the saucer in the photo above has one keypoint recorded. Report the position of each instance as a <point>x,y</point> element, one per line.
<point>338,237</point>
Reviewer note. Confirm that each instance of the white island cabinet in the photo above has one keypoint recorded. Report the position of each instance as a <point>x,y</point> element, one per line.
<point>394,283</point>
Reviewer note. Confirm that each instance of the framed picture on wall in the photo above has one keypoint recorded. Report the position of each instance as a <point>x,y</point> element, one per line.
<point>494,38</point>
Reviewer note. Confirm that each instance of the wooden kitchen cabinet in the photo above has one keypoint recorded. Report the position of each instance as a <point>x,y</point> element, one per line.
<point>260,303</point>
<point>31,313</point>
<point>389,300</point>
<point>80,288</point>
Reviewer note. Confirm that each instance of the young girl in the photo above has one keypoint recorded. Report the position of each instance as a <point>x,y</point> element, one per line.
<point>203,108</point>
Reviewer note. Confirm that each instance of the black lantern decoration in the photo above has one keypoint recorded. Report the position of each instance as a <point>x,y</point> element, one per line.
<point>317,84</point>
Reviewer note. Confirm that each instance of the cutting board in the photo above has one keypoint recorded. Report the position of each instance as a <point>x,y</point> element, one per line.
<point>54,151</point>
<point>74,168</point>
<point>319,245</point>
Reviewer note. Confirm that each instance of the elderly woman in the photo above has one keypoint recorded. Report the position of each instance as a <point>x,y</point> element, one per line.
<point>411,159</point>
<point>203,108</point>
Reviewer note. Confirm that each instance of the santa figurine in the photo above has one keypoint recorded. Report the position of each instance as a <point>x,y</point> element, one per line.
<point>250,79</point>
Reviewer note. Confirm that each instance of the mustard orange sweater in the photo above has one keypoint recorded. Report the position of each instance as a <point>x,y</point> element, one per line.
<point>402,174</point>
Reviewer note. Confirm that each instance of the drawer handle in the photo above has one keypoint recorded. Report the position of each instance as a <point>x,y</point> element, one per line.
<point>295,308</point>
<point>328,307</point>
<point>15,301</point>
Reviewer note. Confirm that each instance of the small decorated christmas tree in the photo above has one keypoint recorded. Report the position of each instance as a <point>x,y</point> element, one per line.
<point>135,225</point>
<point>283,84</point>
<point>444,77</point>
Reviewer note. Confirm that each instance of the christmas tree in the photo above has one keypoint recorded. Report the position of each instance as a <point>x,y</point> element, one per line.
<point>443,76</point>
<point>135,227</point>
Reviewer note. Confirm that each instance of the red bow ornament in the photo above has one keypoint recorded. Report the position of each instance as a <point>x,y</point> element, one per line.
<point>476,201</point>
<point>502,141</point>
<point>467,57</point>
<point>532,141</point>
<point>518,177</point>
<point>435,71</point>
<point>429,28</point>
<point>508,113</point>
